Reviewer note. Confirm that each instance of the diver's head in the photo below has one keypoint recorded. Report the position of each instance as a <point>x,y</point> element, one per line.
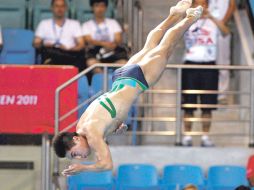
<point>71,145</point>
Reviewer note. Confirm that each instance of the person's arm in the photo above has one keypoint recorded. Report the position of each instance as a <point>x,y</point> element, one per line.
<point>117,31</point>
<point>90,41</point>
<point>113,45</point>
<point>222,27</point>
<point>39,36</point>
<point>80,44</point>
<point>37,43</point>
<point>107,45</point>
<point>220,24</point>
<point>104,161</point>
<point>118,38</point>
<point>230,11</point>
<point>87,35</point>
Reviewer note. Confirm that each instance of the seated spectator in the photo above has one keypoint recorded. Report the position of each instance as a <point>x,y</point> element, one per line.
<point>250,171</point>
<point>201,43</point>
<point>243,188</point>
<point>104,37</point>
<point>190,187</point>
<point>59,39</point>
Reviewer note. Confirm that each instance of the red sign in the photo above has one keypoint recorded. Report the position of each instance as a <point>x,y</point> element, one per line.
<point>27,98</point>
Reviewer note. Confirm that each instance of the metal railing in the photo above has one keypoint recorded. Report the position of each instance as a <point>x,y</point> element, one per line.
<point>45,163</point>
<point>247,49</point>
<point>178,106</point>
<point>133,17</point>
<point>178,93</point>
<point>138,26</point>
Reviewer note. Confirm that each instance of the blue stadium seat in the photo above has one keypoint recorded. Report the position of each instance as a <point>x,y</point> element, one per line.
<point>83,93</point>
<point>91,181</point>
<point>97,83</point>
<point>137,176</point>
<point>13,13</point>
<point>181,175</point>
<point>17,47</point>
<point>83,11</point>
<point>252,6</point>
<point>226,177</point>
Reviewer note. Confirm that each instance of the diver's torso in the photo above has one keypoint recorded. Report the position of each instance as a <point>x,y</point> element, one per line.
<point>109,110</point>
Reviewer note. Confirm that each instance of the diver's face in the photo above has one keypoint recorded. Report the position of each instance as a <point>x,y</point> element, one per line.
<point>59,8</point>
<point>203,3</point>
<point>99,9</point>
<point>80,150</point>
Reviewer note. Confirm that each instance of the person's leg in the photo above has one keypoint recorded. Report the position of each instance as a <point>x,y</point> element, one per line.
<point>187,139</point>
<point>155,35</point>
<point>190,81</point>
<point>155,61</point>
<point>92,61</point>
<point>206,115</point>
<point>205,140</point>
<point>224,59</point>
<point>121,61</point>
<point>209,81</point>
<point>188,124</point>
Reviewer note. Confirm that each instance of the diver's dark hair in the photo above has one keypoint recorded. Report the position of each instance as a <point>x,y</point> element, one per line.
<point>242,188</point>
<point>92,2</point>
<point>53,1</point>
<point>63,142</point>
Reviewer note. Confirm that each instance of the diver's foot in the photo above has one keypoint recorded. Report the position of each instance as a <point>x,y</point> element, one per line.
<point>195,13</point>
<point>180,8</point>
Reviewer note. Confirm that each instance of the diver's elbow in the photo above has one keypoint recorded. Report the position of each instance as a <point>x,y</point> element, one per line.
<point>108,166</point>
<point>105,166</point>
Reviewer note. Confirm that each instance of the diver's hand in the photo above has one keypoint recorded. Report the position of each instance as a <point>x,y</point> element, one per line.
<point>121,129</point>
<point>73,169</point>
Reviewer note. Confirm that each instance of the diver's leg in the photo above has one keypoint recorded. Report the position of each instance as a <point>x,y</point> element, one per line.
<point>154,62</point>
<point>155,35</point>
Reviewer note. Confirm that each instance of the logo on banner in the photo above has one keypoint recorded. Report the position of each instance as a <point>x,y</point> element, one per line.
<point>19,100</point>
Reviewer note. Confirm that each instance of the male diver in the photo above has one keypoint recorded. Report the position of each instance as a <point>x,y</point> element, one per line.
<point>105,115</point>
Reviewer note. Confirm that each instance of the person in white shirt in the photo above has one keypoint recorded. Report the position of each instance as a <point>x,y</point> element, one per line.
<point>104,37</point>
<point>59,37</point>
<point>223,10</point>
<point>201,49</point>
